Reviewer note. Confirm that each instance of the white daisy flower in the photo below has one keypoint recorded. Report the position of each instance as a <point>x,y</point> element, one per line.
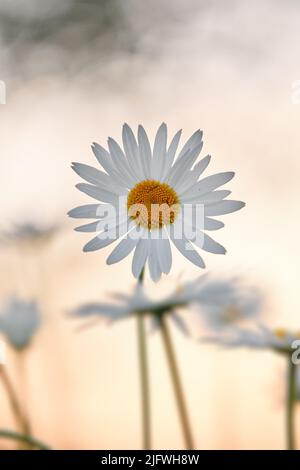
<point>153,194</point>
<point>19,322</point>
<point>206,292</point>
<point>263,337</point>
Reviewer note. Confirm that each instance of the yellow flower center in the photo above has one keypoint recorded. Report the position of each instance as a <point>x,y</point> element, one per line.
<point>152,204</point>
<point>281,333</point>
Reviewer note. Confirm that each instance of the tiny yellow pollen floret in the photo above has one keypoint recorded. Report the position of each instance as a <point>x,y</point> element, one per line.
<point>153,204</point>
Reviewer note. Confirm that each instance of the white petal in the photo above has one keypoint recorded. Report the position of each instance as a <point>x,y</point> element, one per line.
<point>108,236</point>
<point>106,162</point>
<point>122,250</point>
<point>103,157</point>
<point>171,152</point>
<point>98,193</point>
<point>92,227</point>
<point>192,142</point>
<point>210,245</point>
<point>164,254</point>
<point>97,177</point>
<point>104,223</point>
<point>192,177</point>
<point>207,198</point>
<point>120,161</point>
<point>201,166</point>
<point>159,152</point>
<point>145,152</point>
<point>223,207</point>
<point>97,243</point>
<point>154,267</point>
<point>177,172</point>
<point>188,251</point>
<point>214,181</point>
<point>88,211</point>
<point>132,152</point>
<point>140,257</point>
<point>212,224</point>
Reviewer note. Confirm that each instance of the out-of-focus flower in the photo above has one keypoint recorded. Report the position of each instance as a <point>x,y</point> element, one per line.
<point>150,192</point>
<point>279,340</point>
<point>206,295</point>
<point>224,302</point>
<point>28,233</point>
<point>19,322</point>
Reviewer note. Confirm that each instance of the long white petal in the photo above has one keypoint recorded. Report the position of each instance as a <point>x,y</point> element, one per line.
<point>123,249</point>
<point>97,177</point>
<point>140,257</point>
<point>171,152</point>
<point>192,142</point>
<point>98,193</point>
<point>154,267</point>
<point>145,152</point>
<point>212,224</point>
<point>102,224</point>
<point>97,243</point>
<point>107,237</point>
<point>132,152</point>
<point>187,250</point>
<point>159,152</point>
<point>107,164</point>
<point>164,254</point>
<point>210,245</point>
<point>223,207</point>
<point>207,198</point>
<point>119,160</point>
<point>177,172</point>
<point>88,211</point>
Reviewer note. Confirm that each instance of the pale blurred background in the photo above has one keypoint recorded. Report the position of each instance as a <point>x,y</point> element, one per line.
<point>75,71</point>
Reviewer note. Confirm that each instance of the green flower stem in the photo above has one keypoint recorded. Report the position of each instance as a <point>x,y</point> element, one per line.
<point>186,429</point>
<point>14,402</point>
<point>290,404</point>
<point>143,357</point>
<point>31,441</point>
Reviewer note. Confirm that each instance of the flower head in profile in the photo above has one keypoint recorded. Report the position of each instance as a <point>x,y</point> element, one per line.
<point>149,197</point>
<point>205,295</point>
<point>19,322</point>
<point>279,340</point>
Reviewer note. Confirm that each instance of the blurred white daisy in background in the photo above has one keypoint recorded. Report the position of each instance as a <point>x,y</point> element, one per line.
<point>28,232</point>
<point>216,303</point>
<point>19,321</point>
<point>147,179</point>
<point>262,337</point>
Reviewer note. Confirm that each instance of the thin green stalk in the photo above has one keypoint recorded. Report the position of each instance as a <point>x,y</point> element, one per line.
<point>290,405</point>
<point>14,402</point>
<point>31,441</point>
<point>186,429</point>
<point>143,357</point>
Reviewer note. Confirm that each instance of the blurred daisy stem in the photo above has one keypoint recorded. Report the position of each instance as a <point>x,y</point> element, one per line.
<point>143,357</point>
<point>186,429</point>
<point>290,404</point>
<point>21,420</point>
